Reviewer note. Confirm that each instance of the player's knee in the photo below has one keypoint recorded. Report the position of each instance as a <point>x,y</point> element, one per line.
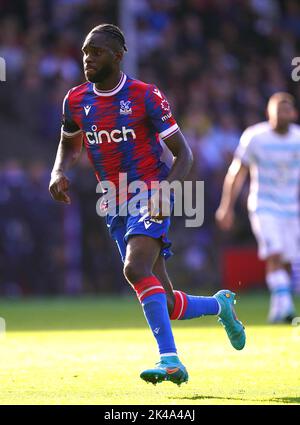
<point>274,262</point>
<point>135,271</point>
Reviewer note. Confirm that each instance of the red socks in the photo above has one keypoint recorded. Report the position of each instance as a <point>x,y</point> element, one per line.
<point>148,286</point>
<point>179,306</point>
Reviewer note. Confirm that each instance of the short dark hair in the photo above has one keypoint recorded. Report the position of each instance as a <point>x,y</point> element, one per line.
<point>112,31</point>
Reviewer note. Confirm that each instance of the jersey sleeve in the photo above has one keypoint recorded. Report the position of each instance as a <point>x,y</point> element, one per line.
<point>245,149</point>
<point>69,126</point>
<point>160,114</point>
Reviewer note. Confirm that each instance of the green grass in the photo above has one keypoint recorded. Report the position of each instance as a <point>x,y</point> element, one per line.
<point>91,351</point>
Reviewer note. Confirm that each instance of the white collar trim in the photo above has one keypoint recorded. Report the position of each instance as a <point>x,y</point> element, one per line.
<point>113,91</point>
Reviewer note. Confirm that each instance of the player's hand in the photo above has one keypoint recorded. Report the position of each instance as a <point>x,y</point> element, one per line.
<point>58,186</point>
<point>225,218</point>
<point>159,206</point>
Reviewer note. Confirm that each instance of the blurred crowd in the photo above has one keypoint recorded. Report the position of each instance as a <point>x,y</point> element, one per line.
<point>218,61</point>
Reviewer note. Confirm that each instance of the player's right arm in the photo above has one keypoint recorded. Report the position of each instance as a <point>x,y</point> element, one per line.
<point>232,186</point>
<point>68,152</point>
<point>235,178</point>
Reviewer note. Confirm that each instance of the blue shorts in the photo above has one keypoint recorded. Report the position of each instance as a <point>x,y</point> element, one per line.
<point>121,228</point>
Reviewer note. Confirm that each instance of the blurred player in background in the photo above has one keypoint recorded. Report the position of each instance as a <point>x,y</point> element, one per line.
<point>271,152</point>
<point>121,121</point>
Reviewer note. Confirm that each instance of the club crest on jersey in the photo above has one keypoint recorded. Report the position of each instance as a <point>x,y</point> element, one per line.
<point>125,108</point>
<point>87,109</point>
<point>165,105</point>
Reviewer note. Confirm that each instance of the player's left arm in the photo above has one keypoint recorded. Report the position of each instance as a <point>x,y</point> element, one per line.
<point>159,111</point>
<point>182,163</point>
<point>183,157</point>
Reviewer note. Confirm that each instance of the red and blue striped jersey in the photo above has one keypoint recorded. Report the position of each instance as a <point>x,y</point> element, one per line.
<point>121,128</point>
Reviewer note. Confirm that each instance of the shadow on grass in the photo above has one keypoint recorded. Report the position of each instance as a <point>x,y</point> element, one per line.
<point>208,397</point>
<point>282,400</point>
<point>287,400</point>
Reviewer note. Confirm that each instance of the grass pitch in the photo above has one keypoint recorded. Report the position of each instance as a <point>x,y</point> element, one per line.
<point>91,351</point>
